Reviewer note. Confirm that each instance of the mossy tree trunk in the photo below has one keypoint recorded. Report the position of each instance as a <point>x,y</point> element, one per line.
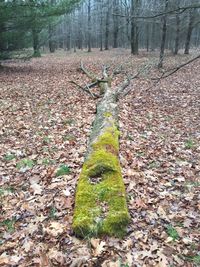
<point>100,205</point>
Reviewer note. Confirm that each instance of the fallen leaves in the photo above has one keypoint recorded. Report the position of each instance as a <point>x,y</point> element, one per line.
<point>37,189</point>
<point>55,229</point>
<point>98,246</point>
<point>45,126</point>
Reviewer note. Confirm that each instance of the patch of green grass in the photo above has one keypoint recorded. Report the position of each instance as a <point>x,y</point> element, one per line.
<point>9,224</point>
<point>63,170</point>
<point>52,213</point>
<point>129,137</point>
<point>25,163</point>
<point>195,259</point>
<point>45,149</point>
<point>153,164</point>
<point>46,140</point>
<point>140,154</point>
<point>171,231</point>
<point>123,264</point>
<point>189,144</point>
<point>6,190</point>
<point>68,122</point>
<point>144,135</point>
<point>193,184</point>
<point>47,161</point>
<point>9,157</point>
<point>69,137</point>
<point>168,118</point>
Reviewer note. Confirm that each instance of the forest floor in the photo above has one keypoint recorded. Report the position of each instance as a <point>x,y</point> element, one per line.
<point>45,123</point>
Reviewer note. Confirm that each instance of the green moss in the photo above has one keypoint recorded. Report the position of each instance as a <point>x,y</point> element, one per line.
<point>107,114</point>
<point>107,193</point>
<point>108,139</point>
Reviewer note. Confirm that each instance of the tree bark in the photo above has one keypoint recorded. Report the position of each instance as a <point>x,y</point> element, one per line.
<point>164,33</point>
<point>101,25</point>
<point>52,46</point>
<point>177,34</point>
<point>107,29</point>
<point>35,36</point>
<point>134,27</point>
<point>89,26</point>
<point>147,37</point>
<point>189,32</point>
<point>100,204</point>
<point>115,24</point>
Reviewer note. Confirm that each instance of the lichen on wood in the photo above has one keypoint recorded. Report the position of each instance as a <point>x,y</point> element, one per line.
<point>100,204</point>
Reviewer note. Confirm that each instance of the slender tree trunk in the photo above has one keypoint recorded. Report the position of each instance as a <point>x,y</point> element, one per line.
<point>189,32</point>
<point>115,24</point>
<point>68,42</point>
<point>177,34</point>
<point>101,25</point>
<point>89,26</point>
<point>163,40</point>
<point>52,45</point>
<point>107,28</point>
<point>80,33</point>
<point>153,35</point>
<point>35,36</point>
<point>134,27</point>
<point>147,37</point>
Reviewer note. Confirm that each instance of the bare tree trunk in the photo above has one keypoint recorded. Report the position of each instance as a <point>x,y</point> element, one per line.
<point>35,36</point>
<point>134,27</point>
<point>177,34</point>
<point>101,25</point>
<point>80,33</point>
<point>89,26</point>
<point>107,28</point>
<point>189,32</point>
<point>52,46</point>
<point>164,33</point>
<point>147,37</point>
<point>115,24</point>
<point>100,204</point>
<point>153,36</point>
<point>68,41</point>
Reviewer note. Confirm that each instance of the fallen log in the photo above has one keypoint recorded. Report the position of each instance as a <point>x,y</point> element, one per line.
<point>100,203</point>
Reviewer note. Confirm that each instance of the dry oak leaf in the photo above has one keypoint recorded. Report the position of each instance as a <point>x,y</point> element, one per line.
<point>129,259</point>
<point>140,203</point>
<point>27,246</point>
<point>55,229</point>
<point>161,212</point>
<point>128,244</point>
<point>79,261</point>
<point>37,189</point>
<point>98,246</point>
<point>56,255</point>
<point>7,260</point>
<point>162,261</point>
<point>108,263</point>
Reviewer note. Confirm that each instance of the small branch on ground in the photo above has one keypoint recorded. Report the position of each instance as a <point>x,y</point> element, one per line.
<point>86,89</point>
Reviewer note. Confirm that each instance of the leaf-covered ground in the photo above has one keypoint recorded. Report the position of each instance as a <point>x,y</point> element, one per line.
<point>44,126</point>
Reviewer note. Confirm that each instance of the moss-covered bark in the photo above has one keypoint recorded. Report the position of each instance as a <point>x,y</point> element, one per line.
<point>100,205</point>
